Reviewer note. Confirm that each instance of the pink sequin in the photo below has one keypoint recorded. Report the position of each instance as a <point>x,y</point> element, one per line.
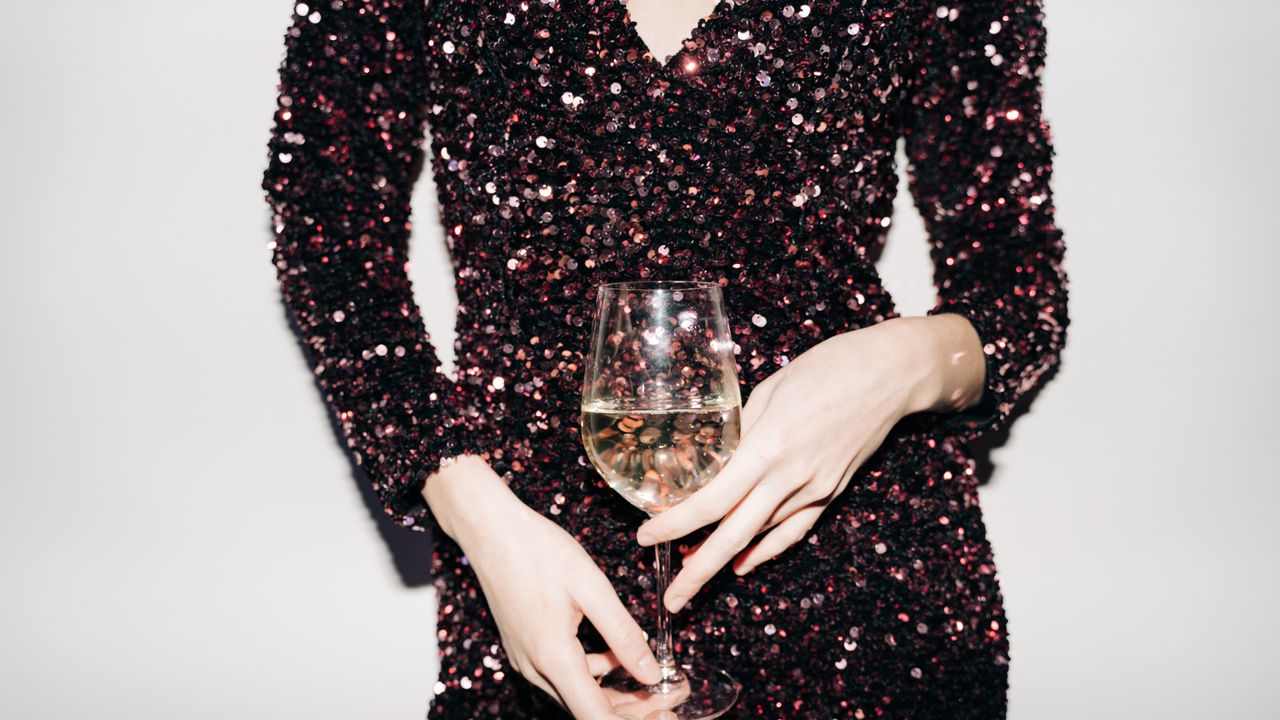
<point>760,156</point>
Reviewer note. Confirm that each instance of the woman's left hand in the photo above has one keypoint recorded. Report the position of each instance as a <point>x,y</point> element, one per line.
<point>807,429</point>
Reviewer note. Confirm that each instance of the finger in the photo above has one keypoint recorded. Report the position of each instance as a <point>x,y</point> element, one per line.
<point>569,674</point>
<point>651,706</point>
<point>737,529</point>
<point>817,491</point>
<point>785,534</point>
<point>710,503</point>
<point>602,663</point>
<point>812,493</point>
<point>599,602</point>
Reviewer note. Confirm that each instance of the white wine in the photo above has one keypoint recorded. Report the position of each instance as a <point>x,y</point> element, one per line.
<point>657,458</point>
<point>659,420</point>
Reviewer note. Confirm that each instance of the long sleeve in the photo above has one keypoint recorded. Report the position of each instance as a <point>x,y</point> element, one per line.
<point>979,168</point>
<point>346,148</point>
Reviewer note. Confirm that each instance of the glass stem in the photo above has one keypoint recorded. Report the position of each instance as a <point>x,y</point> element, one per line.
<point>666,658</point>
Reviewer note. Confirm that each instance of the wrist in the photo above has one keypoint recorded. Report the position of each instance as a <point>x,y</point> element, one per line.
<point>917,362</point>
<point>941,360</point>
<point>465,496</point>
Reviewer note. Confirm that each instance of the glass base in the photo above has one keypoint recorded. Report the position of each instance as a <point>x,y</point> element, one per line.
<point>701,693</point>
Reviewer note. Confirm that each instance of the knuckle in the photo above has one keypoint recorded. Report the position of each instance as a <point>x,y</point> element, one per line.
<point>732,538</point>
<point>764,449</point>
<point>814,491</point>
<point>548,658</point>
<point>828,480</point>
<point>798,482</point>
<point>795,534</point>
<point>769,450</point>
<point>709,512</point>
<point>630,636</point>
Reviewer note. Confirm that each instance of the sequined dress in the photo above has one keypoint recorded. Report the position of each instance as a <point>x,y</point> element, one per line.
<point>762,156</point>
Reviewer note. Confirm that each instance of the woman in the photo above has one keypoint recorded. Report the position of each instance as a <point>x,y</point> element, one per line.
<point>843,569</point>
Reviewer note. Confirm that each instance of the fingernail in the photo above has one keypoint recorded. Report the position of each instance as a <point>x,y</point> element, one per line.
<point>742,570</point>
<point>645,538</point>
<point>677,602</point>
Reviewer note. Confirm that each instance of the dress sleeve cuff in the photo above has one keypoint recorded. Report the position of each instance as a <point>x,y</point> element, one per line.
<point>992,409</point>
<point>467,431</point>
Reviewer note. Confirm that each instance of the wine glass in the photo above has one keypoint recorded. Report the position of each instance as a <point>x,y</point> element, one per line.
<point>660,417</point>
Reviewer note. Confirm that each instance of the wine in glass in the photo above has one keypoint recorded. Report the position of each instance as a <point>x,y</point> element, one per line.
<point>660,417</point>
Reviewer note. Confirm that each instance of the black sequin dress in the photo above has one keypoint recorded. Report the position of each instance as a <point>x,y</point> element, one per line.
<point>762,156</point>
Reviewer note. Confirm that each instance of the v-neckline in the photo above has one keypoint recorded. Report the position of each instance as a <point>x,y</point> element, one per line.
<point>634,39</point>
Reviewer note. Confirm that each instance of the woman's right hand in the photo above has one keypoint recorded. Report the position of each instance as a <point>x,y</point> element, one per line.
<point>539,584</point>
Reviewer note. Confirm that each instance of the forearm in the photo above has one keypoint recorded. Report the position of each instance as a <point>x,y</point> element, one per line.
<point>466,496</point>
<point>943,362</point>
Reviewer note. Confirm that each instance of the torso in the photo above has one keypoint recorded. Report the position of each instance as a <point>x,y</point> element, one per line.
<point>761,155</point>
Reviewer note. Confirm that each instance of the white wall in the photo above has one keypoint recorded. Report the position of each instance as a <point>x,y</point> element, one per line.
<point>180,534</point>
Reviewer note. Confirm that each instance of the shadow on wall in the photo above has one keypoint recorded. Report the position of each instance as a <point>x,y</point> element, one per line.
<point>410,551</point>
<point>980,450</point>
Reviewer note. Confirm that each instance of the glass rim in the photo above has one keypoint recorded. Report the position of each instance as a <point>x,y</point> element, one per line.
<point>657,285</point>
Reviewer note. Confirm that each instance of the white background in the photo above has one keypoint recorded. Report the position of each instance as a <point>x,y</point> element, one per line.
<point>182,536</point>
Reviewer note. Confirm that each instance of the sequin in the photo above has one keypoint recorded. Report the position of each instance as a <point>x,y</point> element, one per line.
<point>760,156</point>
